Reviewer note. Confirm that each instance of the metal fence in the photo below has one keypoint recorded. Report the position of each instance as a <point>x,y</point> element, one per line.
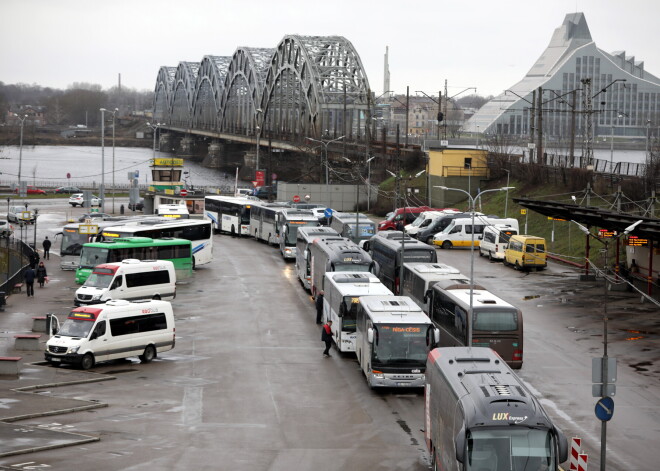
<point>17,259</point>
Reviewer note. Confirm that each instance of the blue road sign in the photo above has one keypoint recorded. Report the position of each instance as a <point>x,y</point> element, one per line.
<point>328,212</point>
<point>605,408</point>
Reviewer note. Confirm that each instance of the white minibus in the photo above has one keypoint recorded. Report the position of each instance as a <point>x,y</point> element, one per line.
<point>130,279</point>
<point>116,329</point>
<point>459,232</point>
<point>423,220</point>
<point>304,237</point>
<point>495,240</point>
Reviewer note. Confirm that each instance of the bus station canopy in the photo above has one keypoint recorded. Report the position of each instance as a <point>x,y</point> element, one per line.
<point>593,216</point>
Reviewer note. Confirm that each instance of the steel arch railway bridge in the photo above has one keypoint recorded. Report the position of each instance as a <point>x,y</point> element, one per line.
<point>307,86</point>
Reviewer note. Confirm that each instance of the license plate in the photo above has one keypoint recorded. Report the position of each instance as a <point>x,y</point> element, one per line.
<point>403,384</point>
<point>55,360</point>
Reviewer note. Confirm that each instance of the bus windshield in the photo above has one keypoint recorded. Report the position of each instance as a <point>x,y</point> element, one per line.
<point>99,280</point>
<point>72,242</point>
<point>348,320</point>
<point>515,448</point>
<point>292,230</point>
<point>495,321</point>
<point>92,256</point>
<point>396,344</point>
<point>365,230</point>
<point>75,328</point>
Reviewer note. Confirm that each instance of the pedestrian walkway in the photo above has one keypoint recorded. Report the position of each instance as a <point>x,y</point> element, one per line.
<point>22,397</point>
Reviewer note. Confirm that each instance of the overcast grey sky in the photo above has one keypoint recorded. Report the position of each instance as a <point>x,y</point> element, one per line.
<point>479,43</point>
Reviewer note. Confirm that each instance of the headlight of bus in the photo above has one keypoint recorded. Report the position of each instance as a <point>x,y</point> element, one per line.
<point>74,349</point>
<point>96,298</point>
<point>377,374</point>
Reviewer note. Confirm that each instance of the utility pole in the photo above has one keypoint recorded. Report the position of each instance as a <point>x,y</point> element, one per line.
<point>539,128</point>
<point>532,126</point>
<point>444,126</point>
<point>573,111</point>
<point>407,114</point>
<point>587,106</point>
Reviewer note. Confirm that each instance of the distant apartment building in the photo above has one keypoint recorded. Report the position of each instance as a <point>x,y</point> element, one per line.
<point>573,64</point>
<point>35,115</point>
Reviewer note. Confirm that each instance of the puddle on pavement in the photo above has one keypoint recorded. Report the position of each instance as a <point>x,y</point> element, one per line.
<point>641,366</point>
<point>531,296</point>
<point>114,372</point>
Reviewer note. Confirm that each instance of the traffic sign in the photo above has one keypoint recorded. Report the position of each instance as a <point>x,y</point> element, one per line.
<point>605,408</point>
<point>328,212</point>
<point>183,192</point>
<point>296,199</point>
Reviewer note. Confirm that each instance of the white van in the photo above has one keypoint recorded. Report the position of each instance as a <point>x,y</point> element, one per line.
<point>459,232</point>
<point>495,240</point>
<point>130,279</point>
<point>116,329</point>
<point>423,220</point>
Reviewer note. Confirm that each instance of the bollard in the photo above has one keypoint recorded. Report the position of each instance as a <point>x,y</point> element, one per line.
<point>121,209</point>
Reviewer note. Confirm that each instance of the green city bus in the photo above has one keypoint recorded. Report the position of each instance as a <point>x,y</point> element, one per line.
<point>178,251</point>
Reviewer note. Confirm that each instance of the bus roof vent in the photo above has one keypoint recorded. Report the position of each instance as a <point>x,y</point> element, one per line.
<point>394,303</point>
<point>352,278</point>
<point>130,260</point>
<point>502,390</point>
<point>488,301</point>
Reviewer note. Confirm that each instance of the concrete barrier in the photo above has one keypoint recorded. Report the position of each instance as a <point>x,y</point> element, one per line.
<point>10,365</point>
<point>27,342</point>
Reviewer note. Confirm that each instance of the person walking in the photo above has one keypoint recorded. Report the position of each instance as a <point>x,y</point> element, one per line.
<point>28,277</point>
<point>319,308</point>
<point>46,244</point>
<point>41,274</point>
<point>326,336</point>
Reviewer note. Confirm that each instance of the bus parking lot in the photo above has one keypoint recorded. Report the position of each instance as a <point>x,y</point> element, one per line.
<point>247,386</point>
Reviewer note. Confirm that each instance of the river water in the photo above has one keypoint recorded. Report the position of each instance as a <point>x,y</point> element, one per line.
<point>49,165</point>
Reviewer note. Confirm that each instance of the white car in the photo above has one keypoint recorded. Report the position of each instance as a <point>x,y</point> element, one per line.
<point>77,200</point>
<point>6,229</point>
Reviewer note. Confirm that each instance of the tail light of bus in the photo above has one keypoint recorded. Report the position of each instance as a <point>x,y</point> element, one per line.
<point>497,247</point>
<point>517,355</point>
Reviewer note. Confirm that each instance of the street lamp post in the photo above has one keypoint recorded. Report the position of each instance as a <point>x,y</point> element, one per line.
<point>102,189</point>
<point>327,164</point>
<point>506,201</point>
<point>605,373</point>
<point>20,148</point>
<point>472,205</point>
<point>259,113</point>
<point>154,128</point>
<point>114,112</point>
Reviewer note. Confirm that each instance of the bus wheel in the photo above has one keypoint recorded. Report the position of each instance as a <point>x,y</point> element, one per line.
<point>517,265</point>
<point>156,297</point>
<point>490,255</point>
<point>87,361</point>
<point>446,245</point>
<point>194,264</point>
<point>148,355</point>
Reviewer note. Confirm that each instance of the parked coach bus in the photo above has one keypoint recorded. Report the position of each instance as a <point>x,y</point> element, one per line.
<point>390,252</point>
<point>198,231</point>
<point>340,302</point>
<point>334,255</point>
<point>263,222</point>
<point>304,237</point>
<point>345,224</point>
<point>419,278</point>
<point>480,416</point>
<point>178,251</point>
<point>495,323</point>
<point>230,214</point>
<point>393,340</point>
<point>289,221</point>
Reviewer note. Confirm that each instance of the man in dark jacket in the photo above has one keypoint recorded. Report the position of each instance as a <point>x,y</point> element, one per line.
<point>326,336</point>
<point>46,244</point>
<point>29,281</point>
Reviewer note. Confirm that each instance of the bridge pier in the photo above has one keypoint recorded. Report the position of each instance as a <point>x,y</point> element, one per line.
<point>214,155</point>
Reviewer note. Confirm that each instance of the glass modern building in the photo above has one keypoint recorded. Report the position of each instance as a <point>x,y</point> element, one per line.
<point>625,108</point>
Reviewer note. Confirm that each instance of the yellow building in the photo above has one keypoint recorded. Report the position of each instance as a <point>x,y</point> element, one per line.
<point>454,167</point>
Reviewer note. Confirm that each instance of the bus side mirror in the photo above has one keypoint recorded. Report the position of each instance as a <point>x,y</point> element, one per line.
<point>342,309</point>
<point>427,296</point>
<point>370,335</point>
<point>562,444</point>
<point>375,268</point>
<point>481,237</point>
<point>436,336</point>
<point>459,442</point>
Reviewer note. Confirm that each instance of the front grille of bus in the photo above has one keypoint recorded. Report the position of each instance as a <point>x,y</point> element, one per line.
<point>54,349</point>
<point>403,377</point>
<point>84,297</point>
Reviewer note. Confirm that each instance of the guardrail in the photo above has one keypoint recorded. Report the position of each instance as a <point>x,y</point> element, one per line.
<point>18,255</point>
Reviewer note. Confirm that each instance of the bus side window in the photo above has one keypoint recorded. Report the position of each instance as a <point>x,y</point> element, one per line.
<point>117,282</point>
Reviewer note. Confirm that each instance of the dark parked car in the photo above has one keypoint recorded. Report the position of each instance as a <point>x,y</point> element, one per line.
<point>68,189</point>
<point>139,206</point>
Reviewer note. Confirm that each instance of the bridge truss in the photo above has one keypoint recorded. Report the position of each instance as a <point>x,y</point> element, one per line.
<point>308,86</point>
